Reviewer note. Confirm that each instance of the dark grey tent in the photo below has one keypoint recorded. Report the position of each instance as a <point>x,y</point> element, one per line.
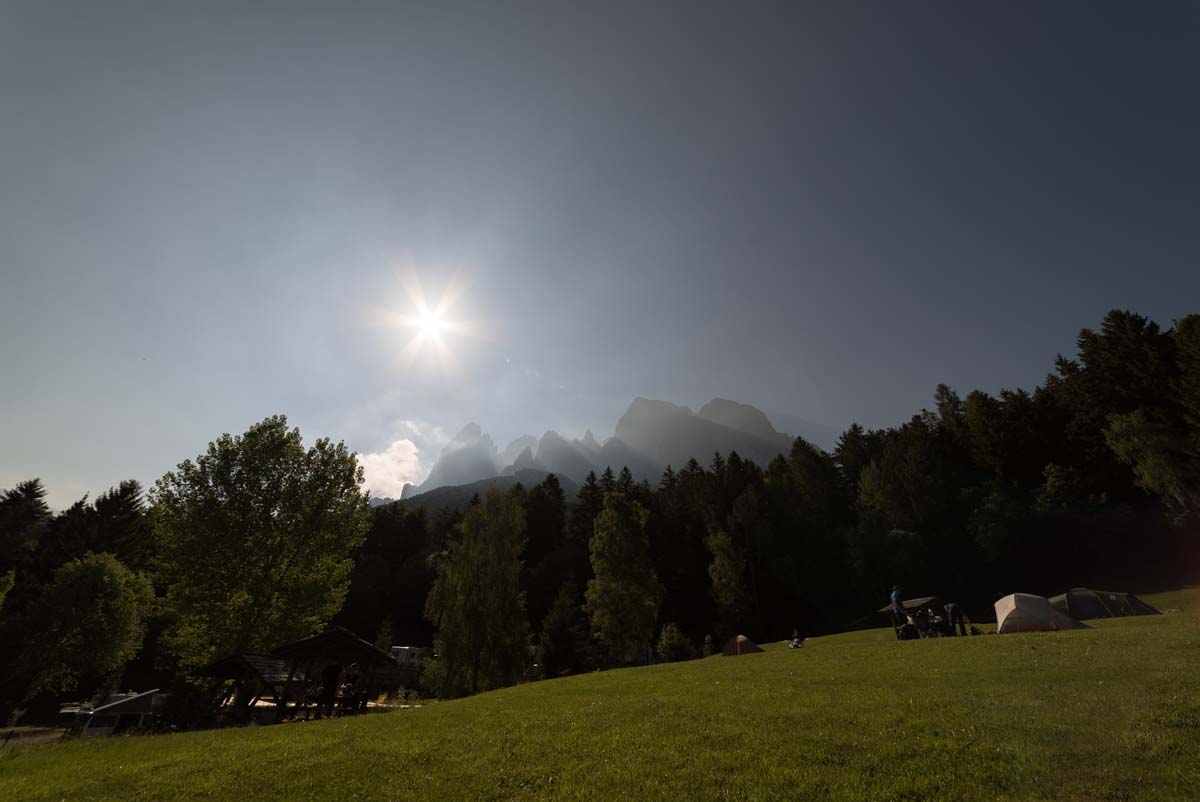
<point>1082,604</point>
<point>740,645</point>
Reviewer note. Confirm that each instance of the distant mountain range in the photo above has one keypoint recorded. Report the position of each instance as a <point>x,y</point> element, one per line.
<point>650,436</point>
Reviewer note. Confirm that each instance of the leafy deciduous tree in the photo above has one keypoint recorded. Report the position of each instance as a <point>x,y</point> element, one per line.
<point>624,596</point>
<point>476,602</point>
<point>256,536</point>
<point>87,623</point>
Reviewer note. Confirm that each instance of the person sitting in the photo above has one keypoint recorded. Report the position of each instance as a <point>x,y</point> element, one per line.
<point>797,642</point>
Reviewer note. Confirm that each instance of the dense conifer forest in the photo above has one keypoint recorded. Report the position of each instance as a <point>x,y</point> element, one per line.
<point>1090,478</point>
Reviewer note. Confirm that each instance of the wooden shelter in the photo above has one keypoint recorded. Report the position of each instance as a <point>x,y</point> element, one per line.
<point>257,675</point>
<point>337,645</point>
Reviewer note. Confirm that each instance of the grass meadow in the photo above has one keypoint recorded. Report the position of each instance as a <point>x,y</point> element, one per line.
<point>1111,712</point>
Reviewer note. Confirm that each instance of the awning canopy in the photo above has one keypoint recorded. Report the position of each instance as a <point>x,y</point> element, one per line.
<point>934,603</point>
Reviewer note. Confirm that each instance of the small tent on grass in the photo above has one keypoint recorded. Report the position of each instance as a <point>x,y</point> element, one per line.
<point>740,645</point>
<point>1024,612</point>
<point>1083,603</point>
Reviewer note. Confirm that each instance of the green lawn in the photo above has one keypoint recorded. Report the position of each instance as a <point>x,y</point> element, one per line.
<point>1112,712</point>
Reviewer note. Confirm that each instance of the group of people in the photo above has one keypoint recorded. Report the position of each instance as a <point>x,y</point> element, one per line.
<point>341,691</point>
<point>924,622</point>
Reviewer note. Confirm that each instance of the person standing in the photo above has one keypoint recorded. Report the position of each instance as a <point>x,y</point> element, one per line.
<point>898,619</point>
<point>956,617</point>
<point>330,678</point>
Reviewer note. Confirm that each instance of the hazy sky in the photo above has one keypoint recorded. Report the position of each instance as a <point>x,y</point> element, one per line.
<point>208,209</point>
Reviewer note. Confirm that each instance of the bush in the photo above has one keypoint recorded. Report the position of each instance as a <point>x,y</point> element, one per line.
<point>674,646</point>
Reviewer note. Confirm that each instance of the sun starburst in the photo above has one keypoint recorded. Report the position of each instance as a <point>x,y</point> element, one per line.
<point>435,328</point>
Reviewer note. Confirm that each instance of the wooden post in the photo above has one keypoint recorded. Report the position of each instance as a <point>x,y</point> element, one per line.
<point>281,705</point>
<point>368,685</point>
<point>308,674</point>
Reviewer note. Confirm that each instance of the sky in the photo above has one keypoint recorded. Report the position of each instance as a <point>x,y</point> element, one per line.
<point>214,212</point>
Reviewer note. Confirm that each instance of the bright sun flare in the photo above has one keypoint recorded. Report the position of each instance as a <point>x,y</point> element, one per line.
<point>435,325</point>
<point>430,323</point>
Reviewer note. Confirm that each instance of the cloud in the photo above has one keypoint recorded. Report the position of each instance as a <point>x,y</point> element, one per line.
<point>407,460</point>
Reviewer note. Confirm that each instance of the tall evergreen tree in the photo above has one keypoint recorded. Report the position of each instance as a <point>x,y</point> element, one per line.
<point>24,517</point>
<point>625,481</point>
<point>580,525</point>
<point>608,480</point>
<point>563,638</point>
<point>547,553</point>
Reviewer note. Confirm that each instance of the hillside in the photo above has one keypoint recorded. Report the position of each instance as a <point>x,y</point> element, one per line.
<point>1111,712</point>
<point>458,496</point>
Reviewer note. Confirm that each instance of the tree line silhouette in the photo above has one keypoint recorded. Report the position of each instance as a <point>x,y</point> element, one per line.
<point>1091,478</point>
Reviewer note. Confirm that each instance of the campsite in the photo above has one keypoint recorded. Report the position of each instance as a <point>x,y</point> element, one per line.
<point>599,401</point>
<point>1108,712</point>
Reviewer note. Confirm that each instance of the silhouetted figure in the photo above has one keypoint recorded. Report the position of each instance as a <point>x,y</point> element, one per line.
<point>898,617</point>
<point>923,624</point>
<point>351,687</point>
<point>330,679</point>
<point>955,617</point>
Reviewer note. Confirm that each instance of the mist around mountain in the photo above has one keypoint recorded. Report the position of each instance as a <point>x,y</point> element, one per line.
<point>469,457</point>
<point>459,496</point>
<point>819,434</point>
<point>650,436</point>
<point>743,418</point>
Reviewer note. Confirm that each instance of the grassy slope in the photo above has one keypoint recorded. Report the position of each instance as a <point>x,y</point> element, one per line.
<point>1107,713</point>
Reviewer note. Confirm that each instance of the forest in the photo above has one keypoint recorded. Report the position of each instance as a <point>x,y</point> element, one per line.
<point>1091,478</point>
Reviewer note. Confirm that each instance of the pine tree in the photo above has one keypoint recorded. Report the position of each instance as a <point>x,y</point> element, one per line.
<point>625,481</point>
<point>588,503</point>
<point>564,640</point>
<point>547,558</point>
<point>608,481</point>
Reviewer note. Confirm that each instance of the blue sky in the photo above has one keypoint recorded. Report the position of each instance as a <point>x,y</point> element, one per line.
<point>823,209</point>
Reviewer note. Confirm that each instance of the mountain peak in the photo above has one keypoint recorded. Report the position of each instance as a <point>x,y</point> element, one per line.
<point>589,442</point>
<point>468,434</point>
<point>742,417</point>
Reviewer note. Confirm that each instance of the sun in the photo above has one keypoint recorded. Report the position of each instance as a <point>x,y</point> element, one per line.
<point>435,327</point>
<point>430,323</point>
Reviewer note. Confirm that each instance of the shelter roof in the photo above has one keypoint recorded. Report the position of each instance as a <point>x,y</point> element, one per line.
<point>920,603</point>
<point>264,668</point>
<point>335,643</point>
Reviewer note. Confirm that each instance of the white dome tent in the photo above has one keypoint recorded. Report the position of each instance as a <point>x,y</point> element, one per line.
<point>1024,612</point>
